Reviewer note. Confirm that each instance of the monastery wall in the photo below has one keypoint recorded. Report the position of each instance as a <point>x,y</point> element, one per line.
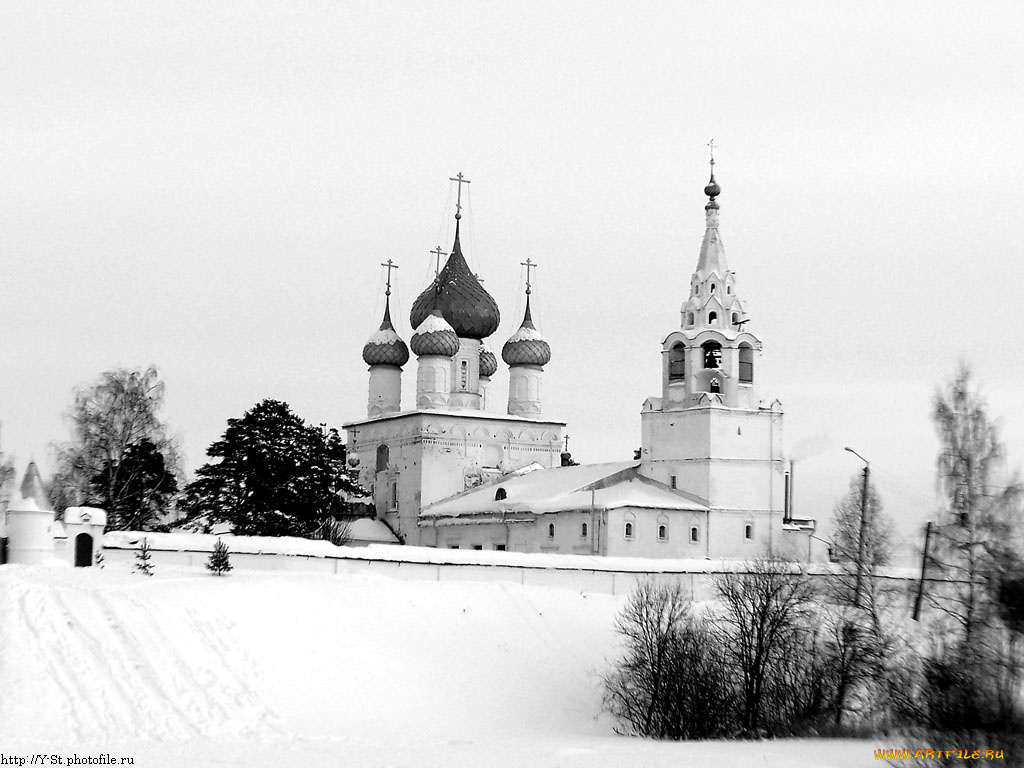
<point>592,575</point>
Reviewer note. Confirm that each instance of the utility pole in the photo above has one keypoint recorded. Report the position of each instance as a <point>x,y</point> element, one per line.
<point>863,525</point>
<point>924,565</point>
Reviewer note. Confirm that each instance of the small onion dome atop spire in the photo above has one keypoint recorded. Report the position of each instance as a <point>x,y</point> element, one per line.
<point>527,346</point>
<point>488,362</point>
<point>435,336</point>
<point>712,190</point>
<point>471,311</point>
<point>385,346</point>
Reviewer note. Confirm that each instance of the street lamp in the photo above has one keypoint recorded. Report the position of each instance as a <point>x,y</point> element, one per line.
<point>863,522</point>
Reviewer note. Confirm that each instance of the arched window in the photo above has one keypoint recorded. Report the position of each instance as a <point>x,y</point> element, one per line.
<point>748,532</point>
<point>551,530</point>
<point>689,318</point>
<point>383,457</point>
<point>662,533</point>
<point>746,364</point>
<point>629,530</point>
<point>500,494</point>
<point>694,534</point>
<point>712,289</point>
<point>715,385</point>
<point>583,530</point>
<point>728,290</point>
<point>676,362</point>
<point>712,318</point>
<point>712,354</point>
<point>735,318</point>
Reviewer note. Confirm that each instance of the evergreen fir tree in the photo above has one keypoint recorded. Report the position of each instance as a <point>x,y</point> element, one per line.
<point>142,558</point>
<point>220,561</point>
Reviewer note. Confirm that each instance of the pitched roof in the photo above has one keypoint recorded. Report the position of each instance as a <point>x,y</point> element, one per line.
<point>606,486</point>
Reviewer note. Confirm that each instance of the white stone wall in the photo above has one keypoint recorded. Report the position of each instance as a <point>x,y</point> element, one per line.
<point>435,454</point>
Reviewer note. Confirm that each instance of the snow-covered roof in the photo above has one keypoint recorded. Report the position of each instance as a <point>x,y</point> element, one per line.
<point>369,530</point>
<point>85,516</point>
<point>605,486</point>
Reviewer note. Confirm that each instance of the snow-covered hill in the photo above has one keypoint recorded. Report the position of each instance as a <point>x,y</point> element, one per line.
<point>259,669</point>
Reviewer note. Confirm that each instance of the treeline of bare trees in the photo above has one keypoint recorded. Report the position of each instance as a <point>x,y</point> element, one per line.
<point>774,654</point>
<point>765,658</point>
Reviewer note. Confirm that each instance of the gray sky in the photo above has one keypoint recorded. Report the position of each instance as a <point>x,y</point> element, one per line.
<point>211,187</point>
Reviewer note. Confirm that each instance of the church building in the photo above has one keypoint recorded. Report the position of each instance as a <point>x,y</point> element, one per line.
<point>707,482</point>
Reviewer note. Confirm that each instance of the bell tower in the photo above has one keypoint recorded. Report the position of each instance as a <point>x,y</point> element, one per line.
<point>710,433</point>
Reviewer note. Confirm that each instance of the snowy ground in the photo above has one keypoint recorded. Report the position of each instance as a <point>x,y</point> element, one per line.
<point>258,669</point>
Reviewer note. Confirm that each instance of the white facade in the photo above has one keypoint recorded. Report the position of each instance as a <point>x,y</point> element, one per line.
<point>413,459</point>
<point>709,480</point>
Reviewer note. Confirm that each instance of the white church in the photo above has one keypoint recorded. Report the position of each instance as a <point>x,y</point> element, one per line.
<point>709,480</point>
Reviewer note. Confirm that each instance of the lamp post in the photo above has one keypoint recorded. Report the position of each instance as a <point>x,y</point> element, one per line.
<point>863,523</point>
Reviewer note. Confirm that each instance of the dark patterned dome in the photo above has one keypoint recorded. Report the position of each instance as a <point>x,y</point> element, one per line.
<point>488,362</point>
<point>712,189</point>
<point>435,336</point>
<point>385,346</point>
<point>469,309</point>
<point>527,346</point>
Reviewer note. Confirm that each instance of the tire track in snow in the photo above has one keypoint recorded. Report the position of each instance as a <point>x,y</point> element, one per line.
<point>114,662</point>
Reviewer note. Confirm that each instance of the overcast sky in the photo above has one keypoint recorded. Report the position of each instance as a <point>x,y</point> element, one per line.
<point>211,187</point>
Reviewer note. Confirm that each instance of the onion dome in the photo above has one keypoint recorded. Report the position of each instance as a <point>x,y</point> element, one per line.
<point>385,346</point>
<point>488,362</point>
<point>712,190</point>
<point>527,346</point>
<point>469,309</point>
<point>435,336</point>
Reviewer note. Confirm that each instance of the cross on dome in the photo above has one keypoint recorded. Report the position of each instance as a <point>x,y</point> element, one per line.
<point>529,265</point>
<point>390,265</point>
<point>458,199</point>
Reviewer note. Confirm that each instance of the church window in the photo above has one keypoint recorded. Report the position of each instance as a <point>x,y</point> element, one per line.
<point>478,546</point>
<point>464,375</point>
<point>728,290</point>
<point>583,531</point>
<point>712,318</point>
<point>672,482</point>
<point>551,530</point>
<point>694,534</point>
<point>394,496</point>
<point>500,494</point>
<point>735,318</point>
<point>712,289</point>
<point>453,546</point>
<point>629,530</point>
<point>712,354</point>
<point>662,533</point>
<point>689,318</point>
<point>748,532</point>
<point>746,364</point>
<point>383,457</point>
<point>677,363</point>
<point>715,385</point>
<point>499,547</point>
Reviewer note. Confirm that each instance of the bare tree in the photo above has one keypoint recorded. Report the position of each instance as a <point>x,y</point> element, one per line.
<point>982,505</point>
<point>671,682</point>
<point>846,526</point>
<point>120,456</point>
<point>764,612</point>
<point>977,677</point>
